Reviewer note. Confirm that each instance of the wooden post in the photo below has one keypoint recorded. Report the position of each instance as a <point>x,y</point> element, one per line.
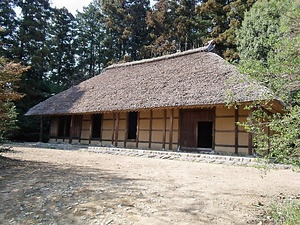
<point>164,130</point>
<point>214,129</point>
<point>250,139</point>
<point>236,130</point>
<point>150,129</point>
<point>101,129</point>
<point>71,129</point>
<point>179,129</point>
<point>113,129</point>
<point>126,129</point>
<point>117,129</point>
<point>41,130</point>
<point>171,129</point>
<point>137,130</point>
<point>91,128</point>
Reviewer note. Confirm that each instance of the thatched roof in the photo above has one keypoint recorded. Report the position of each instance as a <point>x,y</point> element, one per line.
<point>193,78</point>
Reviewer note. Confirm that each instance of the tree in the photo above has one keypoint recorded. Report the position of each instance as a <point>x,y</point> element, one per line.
<point>269,43</point>
<point>32,51</point>
<point>8,24</point>
<point>90,41</point>
<point>223,18</point>
<point>62,50</point>
<point>10,75</point>
<point>163,35</point>
<point>126,29</point>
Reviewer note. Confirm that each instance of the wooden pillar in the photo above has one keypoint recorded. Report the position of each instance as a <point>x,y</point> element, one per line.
<point>91,128</point>
<point>214,129</point>
<point>101,128</point>
<point>117,119</point>
<point>126,129</point>
<point>71,129</point>
<point>150,129</point>
<point>236,130</point>
<point>137,130</point>
<point>113,129</point>
<point>179,129</point>
<point>41,130</point>
<point>250,138</point>
<point>171,129</point>
<point>165,129</point>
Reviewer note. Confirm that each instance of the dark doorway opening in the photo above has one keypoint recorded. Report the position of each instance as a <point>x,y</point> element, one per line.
<point>205,133</point>
<point>132,125</point>
<point>96,126</point>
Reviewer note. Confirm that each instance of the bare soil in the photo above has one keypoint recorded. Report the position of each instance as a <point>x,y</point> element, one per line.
<point>47,186</point>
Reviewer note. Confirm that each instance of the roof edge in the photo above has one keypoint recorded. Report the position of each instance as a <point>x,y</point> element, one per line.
<point>206,48</point>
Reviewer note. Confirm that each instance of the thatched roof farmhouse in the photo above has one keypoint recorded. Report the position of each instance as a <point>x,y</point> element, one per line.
<point>173,87</point>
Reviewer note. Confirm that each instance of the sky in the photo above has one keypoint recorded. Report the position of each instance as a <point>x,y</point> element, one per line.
<point>72,5</point>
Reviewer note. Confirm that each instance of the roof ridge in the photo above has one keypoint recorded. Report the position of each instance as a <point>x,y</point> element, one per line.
<point>164,57</point>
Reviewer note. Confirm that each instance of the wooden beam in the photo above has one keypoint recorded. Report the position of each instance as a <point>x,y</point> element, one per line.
<point>117,129</point>
<point>41,130</point>
<point>150,129</point>
<point>137,130</point>
<point>171,129</point>
<point>236,130</point>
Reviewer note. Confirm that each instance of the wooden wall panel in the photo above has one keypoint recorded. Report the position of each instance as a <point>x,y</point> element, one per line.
<point>225,138</point>
<point>225,124</point>
<point>108,124</point>
<point>158,124</point>
<point>243,139</point>
<point>224,149</point>
<point>157,136</point>
<point>158,113</point>
<point>145,124</point>
<point>144,136</point>
<point>107,134</point>
<point>144,114</point>
<point>224,111</point>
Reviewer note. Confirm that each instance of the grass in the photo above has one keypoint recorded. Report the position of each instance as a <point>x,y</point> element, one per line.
<point>284,213</point>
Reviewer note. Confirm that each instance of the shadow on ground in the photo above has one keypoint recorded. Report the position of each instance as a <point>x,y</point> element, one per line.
<point>43,193</point>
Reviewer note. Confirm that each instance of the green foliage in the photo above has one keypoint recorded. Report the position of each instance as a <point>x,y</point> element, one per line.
<point>223,19</point>
<point>286,213</point>
<point>269,49</point>
<point>62,50</point>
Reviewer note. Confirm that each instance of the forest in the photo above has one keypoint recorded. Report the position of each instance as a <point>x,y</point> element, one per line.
<point>54,50</point>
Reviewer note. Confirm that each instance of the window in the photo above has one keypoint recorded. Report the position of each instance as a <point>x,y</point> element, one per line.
<point>96,125</point>
<point>132,125</point>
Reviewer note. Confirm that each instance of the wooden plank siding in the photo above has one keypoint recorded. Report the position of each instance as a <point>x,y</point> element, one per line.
<point>163,129</point>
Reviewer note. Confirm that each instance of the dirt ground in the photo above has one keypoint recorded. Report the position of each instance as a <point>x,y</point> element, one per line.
<point>46,186</point>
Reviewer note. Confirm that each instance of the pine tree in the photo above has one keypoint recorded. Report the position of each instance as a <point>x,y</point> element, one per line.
<point>224,17</point>
<point>90,42</point>
<point>163,35</point>
<point>34,52</point>
<point>8,26</point>
<point>62,48</point>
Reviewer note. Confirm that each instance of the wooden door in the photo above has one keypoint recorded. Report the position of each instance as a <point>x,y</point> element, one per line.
<point>189,129</point>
